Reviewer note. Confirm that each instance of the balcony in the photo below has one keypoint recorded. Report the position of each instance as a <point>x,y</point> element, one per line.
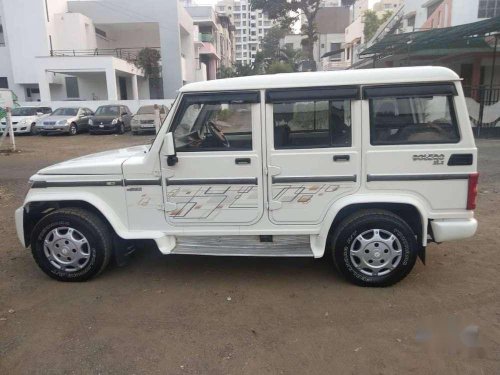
<point>206,38</point>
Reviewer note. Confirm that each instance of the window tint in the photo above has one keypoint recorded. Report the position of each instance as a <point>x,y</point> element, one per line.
<point>413,120</point>
<point>312,124</point>
<point>214,126</point>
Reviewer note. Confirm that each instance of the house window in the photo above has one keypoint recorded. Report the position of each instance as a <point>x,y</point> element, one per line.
<point>335,47</point>
<point>411,21</point>
<point>488,8</point>
<point>4,84</point>
<point>72,87</point>
<point>100,32</point>
<point>2,38</point>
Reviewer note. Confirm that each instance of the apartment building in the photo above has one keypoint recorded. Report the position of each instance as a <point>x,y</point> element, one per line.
<point>215,37</point>
<point>250,28</point>
<point>85,50</point>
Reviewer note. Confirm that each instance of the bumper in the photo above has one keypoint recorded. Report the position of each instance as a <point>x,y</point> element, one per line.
<point>19,218</point>
<point>53,129</point>
<point>453,229</point>
<point>18,129</point>
<point>103,129</point>
<point>143,128</point>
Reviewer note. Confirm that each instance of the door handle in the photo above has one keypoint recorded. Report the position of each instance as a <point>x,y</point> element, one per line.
<point>242,161</point>
<point>341,158</point>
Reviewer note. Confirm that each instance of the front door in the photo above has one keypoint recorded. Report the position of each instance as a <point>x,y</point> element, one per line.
<point>217,178</point>
<point>313,151</point>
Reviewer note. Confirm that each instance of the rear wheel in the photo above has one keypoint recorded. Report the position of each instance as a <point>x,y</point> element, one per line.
<point>71,244</point>
<point>374,248</point>
<point>73,129</point>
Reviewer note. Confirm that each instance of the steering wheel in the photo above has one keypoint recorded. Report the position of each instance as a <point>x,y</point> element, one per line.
<point>218,134</point>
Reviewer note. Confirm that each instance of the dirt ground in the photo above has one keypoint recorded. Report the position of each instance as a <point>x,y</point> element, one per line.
<point>202,315</point>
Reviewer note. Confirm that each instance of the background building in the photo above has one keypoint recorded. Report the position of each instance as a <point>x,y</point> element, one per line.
<point>83,50</point>
<point>330,22</point>
<point>251,26</point>
<point>216,38</point>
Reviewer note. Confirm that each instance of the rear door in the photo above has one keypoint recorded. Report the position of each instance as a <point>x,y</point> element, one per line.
<point>313,158</point>
<point>218,176</point>
<point>419,140</point>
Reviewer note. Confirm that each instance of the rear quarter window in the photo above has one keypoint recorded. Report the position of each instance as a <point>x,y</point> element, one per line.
<point>418,119</point>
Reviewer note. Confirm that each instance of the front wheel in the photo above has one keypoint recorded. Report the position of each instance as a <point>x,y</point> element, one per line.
<point>121,128</point>
<point>73,130</point>
<point>33,129</point>
<point>374,248</point>
<point>71,244</point>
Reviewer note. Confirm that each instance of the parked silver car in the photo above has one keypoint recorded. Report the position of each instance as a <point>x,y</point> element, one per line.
<point>144,119</point>
<point>70,120</point>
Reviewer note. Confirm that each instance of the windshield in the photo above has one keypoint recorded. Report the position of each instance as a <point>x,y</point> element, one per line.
<point>24,111</point>
<point>146,110</point>
<point>108,111</point>
<point>65,112</point>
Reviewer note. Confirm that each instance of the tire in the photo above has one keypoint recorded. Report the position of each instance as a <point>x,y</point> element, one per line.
<point>33,130</point>
<point>91,132</point>
<point>134,132</point>
<point>59,257</point>
<point>43,134</point>
<point>366,255</point>
<point>121,128</point>
<point>73,129</point>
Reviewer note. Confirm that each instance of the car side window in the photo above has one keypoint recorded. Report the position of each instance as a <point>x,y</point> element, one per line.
<point>420,118</point>
<point>312,124</point>
<point>214,123</point>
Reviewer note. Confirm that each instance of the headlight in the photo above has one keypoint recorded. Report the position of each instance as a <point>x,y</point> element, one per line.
<point>91,122</point>
<point>62,122</point>
<point>114,122</point>
<point>23,122</point>
<point>135,121</point>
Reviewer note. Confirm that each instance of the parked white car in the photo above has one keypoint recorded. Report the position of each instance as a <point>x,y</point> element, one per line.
<point>365,166</point>
<point>24,119</point>
<point>144,119</point>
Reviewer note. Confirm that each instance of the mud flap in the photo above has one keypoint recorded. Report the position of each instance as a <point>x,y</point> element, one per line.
<point>421,254</point>
<point>122,249</point>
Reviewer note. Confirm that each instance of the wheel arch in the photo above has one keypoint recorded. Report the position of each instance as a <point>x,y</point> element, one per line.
<point>408,208</point>
<point>36,209</point>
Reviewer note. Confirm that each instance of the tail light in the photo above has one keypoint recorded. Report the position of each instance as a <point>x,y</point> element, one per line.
<point>472,191</point>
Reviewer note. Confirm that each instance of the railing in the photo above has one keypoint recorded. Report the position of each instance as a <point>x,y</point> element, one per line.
<point>483,105</point>
<point>129,54</point>
<point>209,38</point>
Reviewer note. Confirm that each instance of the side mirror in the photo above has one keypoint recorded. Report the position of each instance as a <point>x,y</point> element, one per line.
<point>169,149</point>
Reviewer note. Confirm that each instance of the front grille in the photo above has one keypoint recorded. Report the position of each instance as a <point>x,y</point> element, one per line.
<point>105,122</point>
<point>49,122</point>
<point>148,122</point>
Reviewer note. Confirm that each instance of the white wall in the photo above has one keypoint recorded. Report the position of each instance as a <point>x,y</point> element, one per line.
<point>74,31</point>
<point>464,12</point>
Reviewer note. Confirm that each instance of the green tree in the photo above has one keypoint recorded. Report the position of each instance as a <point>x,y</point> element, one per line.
<point>271,42</point>
<point>373,22</point>
<point>148,59</point>
<point>279,67</point>
<point>286,12</point>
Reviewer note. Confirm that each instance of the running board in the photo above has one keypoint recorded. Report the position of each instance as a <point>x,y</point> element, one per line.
<point>282,246</point>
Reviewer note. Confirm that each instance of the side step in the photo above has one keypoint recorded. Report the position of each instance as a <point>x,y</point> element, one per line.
<point>282,246</point>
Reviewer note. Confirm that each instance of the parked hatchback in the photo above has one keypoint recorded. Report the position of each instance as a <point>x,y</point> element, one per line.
<point>144,120</point>
<point>110,119</point>
<point>65,120</point>
<point>24,119</point>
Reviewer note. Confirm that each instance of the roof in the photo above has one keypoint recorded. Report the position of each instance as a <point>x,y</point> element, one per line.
<point>468,36</point>
<point>332,20</point>
<point>332,78</point>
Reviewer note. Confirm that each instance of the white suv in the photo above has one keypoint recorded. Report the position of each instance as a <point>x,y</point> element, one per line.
<point>366,167</point>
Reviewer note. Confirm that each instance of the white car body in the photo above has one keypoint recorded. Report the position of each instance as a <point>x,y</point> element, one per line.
<point>23,124</point>
<point>285,193</point>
